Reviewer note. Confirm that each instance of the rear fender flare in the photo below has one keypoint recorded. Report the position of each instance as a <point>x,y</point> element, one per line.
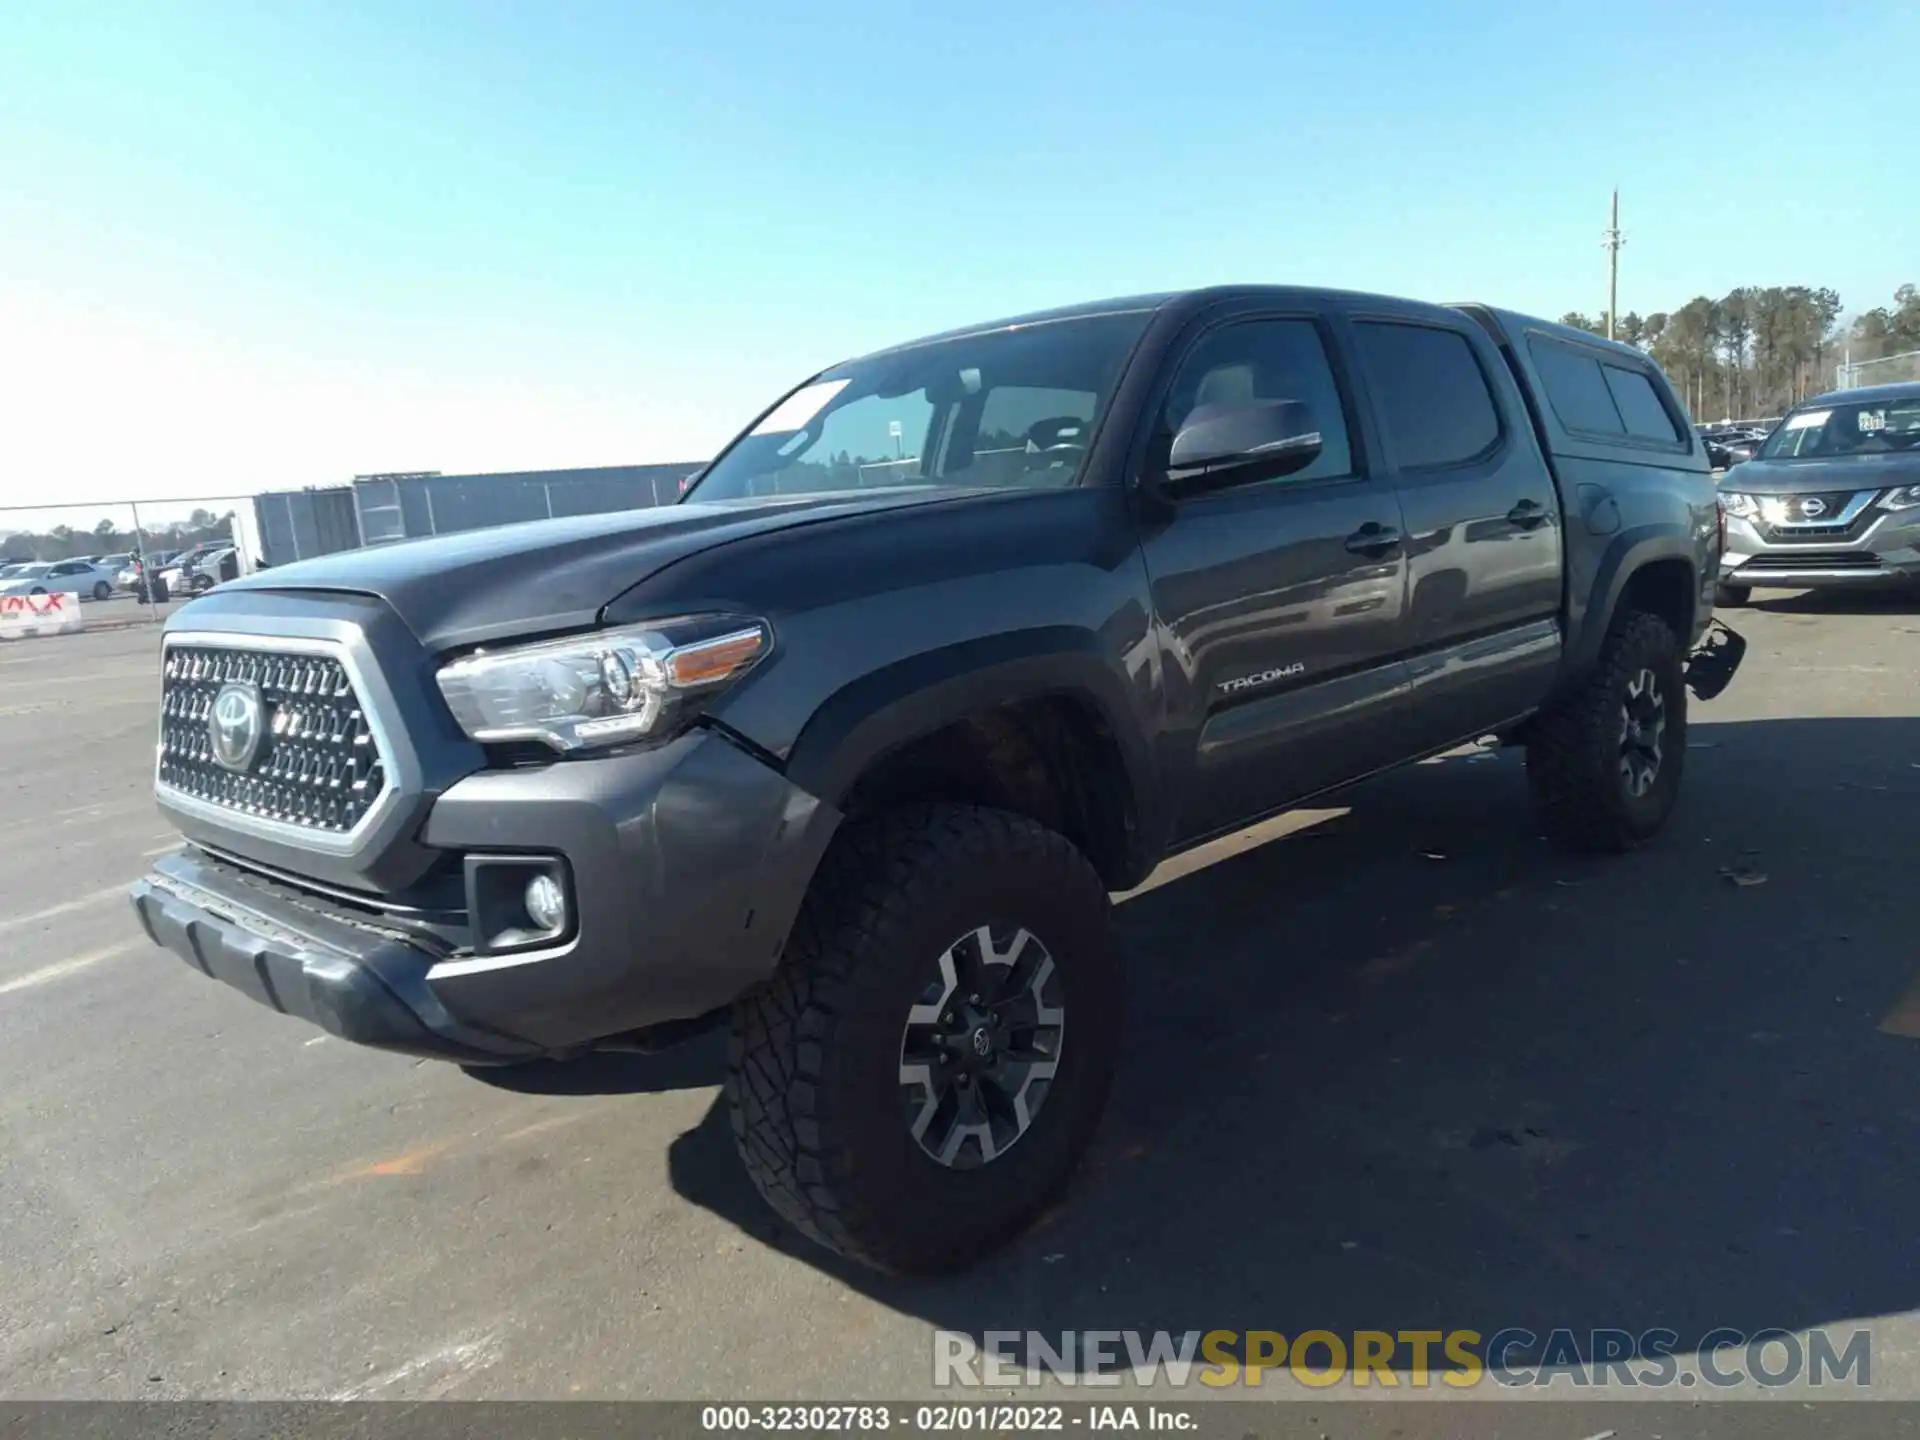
<point>1629,552</point>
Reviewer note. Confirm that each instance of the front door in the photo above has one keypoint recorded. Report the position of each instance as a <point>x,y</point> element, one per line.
<point>1280,602</point>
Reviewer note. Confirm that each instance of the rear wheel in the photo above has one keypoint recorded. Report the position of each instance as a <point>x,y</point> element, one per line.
<point>923,1073</point>
<point>1732,597</point>
<point>1604,765</point>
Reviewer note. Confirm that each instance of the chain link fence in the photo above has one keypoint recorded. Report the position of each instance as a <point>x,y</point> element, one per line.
<point>129,561</point>
<point>1887,370</point>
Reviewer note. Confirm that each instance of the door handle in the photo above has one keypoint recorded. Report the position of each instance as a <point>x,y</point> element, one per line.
<point>1373,538</point>
<point>1527,514</point>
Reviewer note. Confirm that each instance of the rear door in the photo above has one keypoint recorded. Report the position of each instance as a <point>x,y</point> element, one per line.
<point>1483,523</point>
<point>1280,601</point>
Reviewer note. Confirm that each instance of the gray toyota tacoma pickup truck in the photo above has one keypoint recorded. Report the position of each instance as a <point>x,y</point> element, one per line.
<point>848,749</point>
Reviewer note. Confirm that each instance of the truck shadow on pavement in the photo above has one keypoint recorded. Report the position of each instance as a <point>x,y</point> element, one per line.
<point>697,1063</point>
<point>1834,602</point>
<point>1412,1069</point>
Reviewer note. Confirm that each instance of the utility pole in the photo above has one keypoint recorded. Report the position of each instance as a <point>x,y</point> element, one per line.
<point>1612,239</point>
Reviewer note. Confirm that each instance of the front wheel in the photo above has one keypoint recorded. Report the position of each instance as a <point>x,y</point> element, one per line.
<point>922,1074</point>
<point>102,590</point>
<point>1604,765</point>
<point>1731,597</point>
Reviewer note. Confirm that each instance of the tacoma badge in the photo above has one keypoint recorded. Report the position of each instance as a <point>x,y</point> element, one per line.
<point>1265,677</point>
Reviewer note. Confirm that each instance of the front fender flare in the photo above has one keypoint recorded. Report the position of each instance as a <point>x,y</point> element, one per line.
<point>882,711</point>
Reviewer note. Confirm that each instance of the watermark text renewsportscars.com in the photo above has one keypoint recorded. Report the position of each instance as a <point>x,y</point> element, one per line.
<point>1420,1359</point>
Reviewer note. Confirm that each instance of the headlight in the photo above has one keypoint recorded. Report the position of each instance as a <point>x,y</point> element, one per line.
<point>604,688</point>
<point>1903,497</point>
<point>1741,507</point>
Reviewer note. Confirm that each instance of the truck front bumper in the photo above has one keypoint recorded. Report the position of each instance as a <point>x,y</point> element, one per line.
<point>685,867</point>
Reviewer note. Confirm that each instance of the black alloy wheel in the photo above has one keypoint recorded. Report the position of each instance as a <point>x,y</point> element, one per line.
<point>981,1047</point>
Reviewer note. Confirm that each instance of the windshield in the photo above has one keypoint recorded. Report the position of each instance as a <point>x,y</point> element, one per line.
<point>1008,409</point>
<point>1834,431</point>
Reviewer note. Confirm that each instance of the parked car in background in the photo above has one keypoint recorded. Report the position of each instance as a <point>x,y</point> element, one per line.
<point>133,575</point>
<point>177,576</point>
<point>81,577</point>
<point>1833,498</point>
<point>199,570</point>
<point>1728,448</point>
<point>215,569</point>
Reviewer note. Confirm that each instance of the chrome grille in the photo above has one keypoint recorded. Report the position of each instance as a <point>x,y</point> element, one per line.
<point>1835,515</point>
<point>1813,560</point>
<point>1831,504</point>
<point>318,765</point>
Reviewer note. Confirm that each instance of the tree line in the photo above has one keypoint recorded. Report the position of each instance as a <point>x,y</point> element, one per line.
<point>63,542</point>
<point>1759,350</point>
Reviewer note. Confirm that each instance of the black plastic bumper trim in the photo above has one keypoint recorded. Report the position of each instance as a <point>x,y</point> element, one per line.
<point>360,985</point>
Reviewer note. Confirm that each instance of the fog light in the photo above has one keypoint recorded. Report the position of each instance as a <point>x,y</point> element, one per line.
<point>546,903</point>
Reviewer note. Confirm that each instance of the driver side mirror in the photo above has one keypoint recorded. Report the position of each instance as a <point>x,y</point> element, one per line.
<point>1241,443</point>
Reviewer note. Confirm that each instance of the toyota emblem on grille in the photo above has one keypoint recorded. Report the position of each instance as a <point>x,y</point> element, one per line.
<point>236,725</point>
<point>1813,505</point>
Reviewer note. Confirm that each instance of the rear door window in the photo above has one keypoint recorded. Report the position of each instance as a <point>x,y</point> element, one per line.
<point>1431,394</point>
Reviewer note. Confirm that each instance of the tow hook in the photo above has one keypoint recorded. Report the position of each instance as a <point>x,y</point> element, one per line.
<point>1710,668</point>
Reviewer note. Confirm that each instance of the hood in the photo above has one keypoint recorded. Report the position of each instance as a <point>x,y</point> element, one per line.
<point>1809,477</point>
<point>549,575</point>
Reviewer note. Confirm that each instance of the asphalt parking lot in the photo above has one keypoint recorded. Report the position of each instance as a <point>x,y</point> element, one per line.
<point>1403,1068</point>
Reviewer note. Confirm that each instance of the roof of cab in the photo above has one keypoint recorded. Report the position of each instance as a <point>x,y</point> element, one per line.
<point>1190,300</point>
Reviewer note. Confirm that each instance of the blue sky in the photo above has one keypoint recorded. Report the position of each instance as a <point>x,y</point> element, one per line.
<point>249,247</point>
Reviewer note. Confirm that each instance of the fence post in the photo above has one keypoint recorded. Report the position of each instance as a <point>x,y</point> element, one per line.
<point>146,567</point>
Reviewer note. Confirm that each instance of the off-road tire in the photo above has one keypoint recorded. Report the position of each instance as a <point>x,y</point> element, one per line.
<point>1731,597</point>
<point>1573,750</point>
<point>813,1069</point>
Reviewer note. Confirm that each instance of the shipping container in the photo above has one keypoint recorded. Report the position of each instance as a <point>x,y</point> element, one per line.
<point>299,524</point>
